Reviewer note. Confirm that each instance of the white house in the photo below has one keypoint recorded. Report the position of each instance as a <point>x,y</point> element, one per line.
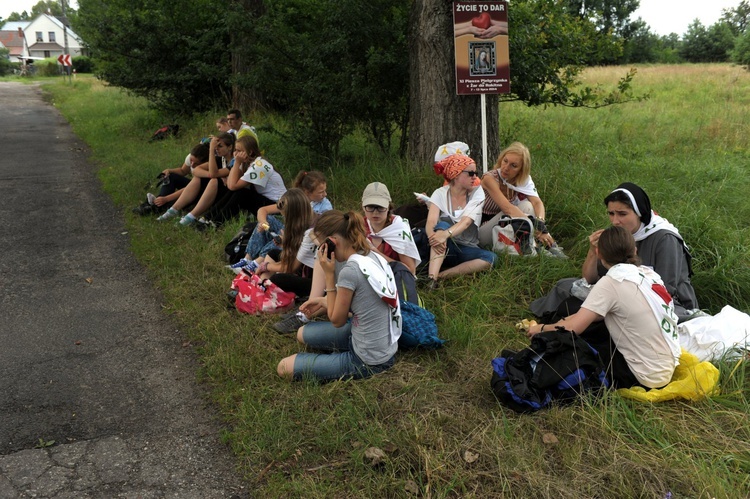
<point>45,38</point>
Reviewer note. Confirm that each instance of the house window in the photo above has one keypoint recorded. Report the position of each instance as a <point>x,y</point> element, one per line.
<point>51,36</point>
<point>47,54</point>
<point>39,36</point>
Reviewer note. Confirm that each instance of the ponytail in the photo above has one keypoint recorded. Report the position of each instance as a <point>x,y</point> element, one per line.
<point>349,225</point>
<point>616,245</point>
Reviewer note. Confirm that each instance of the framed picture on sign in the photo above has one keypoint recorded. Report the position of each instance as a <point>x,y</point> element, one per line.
<point>482,59</point>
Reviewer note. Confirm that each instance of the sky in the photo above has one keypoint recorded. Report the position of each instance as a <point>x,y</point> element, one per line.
<point>663,16</point>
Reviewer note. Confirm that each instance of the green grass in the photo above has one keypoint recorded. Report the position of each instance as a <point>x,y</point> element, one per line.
<point>687,146</point>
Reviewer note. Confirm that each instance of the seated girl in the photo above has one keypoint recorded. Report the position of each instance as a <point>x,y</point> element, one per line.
<point>511,192</point>
<point>364,285</point>
<point>173,180</point>
<point>290,268</point>
<point>314,185</point>
<point>390,236</point>
<point>453,222</point>
<point>660,246</point>
<point>254,183</point>
<point>206,183</point>
<point>637,311</point>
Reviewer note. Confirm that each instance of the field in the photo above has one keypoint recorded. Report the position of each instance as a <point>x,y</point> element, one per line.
<point>433,415</point>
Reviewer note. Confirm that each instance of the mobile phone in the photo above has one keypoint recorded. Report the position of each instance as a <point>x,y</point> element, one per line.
<point>330,248</point>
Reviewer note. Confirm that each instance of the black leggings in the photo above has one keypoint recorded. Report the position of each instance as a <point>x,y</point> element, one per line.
<point>230,203</point>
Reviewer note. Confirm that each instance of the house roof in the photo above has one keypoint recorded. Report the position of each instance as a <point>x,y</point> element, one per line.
<point>14,25</point>
<point>45,46</point>
<point>11,39</point>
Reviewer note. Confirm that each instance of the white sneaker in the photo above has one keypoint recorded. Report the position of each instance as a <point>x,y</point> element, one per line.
<point>150,198</point>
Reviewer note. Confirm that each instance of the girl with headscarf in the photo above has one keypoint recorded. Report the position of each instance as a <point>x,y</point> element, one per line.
<point>453,221</point>
<point>660,246</point>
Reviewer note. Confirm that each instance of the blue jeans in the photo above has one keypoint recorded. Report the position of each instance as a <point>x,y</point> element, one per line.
<point>458,253</point>
<point>341,363</point>
<point>260,243</point>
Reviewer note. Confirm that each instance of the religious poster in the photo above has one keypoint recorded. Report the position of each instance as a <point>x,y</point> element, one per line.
<point>480,30</point>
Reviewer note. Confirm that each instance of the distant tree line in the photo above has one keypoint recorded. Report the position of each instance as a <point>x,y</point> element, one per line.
<point>332,67</point>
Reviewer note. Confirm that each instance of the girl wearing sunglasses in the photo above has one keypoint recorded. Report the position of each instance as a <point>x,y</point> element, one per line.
<point>453,222</point>
<point>511,192</point>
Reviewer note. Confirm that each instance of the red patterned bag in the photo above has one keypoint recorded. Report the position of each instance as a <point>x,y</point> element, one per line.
<point>255,296</point>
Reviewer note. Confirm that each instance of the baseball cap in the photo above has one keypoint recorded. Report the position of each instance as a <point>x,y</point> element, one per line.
<point>376,194</point>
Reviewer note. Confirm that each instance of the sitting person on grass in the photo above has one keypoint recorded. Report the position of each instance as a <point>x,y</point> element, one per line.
<point>453,222</point>
<point>290,267</point>
<point>363,285</point>
<point>660,246</point>
<point>511,192</point>
<point>638,343</point>
<point>174,180</point>
<point>206,183</point>
<point>262,240</point>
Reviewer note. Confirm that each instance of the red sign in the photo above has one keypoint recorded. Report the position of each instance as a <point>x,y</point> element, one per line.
<point>480,31</point>
<point>64,59</point>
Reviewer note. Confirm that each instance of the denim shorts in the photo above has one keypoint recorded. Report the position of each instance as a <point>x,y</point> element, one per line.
<point>458,253</point>
<point>341,363</point>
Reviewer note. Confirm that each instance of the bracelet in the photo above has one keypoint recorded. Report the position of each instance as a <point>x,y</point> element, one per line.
<point>542,329</point>
<point>330,290</point>
<point>450,232</point>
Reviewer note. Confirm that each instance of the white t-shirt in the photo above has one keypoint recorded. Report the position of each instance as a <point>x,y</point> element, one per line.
<point>634,330</point>
<point>267,181</point>
<point>306,251</point>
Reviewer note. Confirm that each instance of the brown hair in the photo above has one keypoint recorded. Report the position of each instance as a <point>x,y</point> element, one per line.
<point>201,152</point>
<point>298,217</point>
<point>350,226</point>
<point>309,181</point>
<point>252,149</point>
<point>616,245</point>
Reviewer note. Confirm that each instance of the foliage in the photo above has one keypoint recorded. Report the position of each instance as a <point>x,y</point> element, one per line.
<point>687,146</point>
<point>52,7</point>
<point>550,49</point>
<point>611,19</point>
<point>5,64</point>
<point>701,44</point>
<point>737,18</point>
<point>331,66</point>
<point>83,64</point>
<point>173,53</point>
<point>48,67</point>
<point>741,52</point>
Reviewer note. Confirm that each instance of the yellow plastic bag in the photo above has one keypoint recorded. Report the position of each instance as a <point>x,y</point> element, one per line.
<point>692,380</point>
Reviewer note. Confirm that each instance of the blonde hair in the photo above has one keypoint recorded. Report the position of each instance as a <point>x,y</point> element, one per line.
<point>521,150</point>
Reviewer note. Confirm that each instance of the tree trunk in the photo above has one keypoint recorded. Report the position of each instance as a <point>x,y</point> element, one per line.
<point>437,115</point>
<point>242,98</point>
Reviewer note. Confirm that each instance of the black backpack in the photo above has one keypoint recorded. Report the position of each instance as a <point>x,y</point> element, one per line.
<point>235,249</point>
<point>557,366</point>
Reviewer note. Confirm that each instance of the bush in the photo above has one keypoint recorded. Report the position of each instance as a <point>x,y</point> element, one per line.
<point>83,64</point>
<point>47,68</point>
<point>5,64</point>
<point>741,52</point>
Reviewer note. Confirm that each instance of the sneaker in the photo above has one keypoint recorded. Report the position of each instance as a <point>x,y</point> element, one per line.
<point>150,198</point>
<point>169,214</point>
<point>188,220</point>
<point>248,266</point>
<point>291,324</point>
<point>144,209</point>
<point>202,225</point>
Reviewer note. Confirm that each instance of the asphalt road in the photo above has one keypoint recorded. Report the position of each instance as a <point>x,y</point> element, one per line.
<point>87,358</point>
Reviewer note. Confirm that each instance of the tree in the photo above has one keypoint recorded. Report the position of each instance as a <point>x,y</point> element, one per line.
<point>15,16</point>
<point>741,52</point>
<point>341,65</point>
<point>707,45</point>
<point>738,18</point>
<point>51,7</point>
<point>548,48</point>
<point>173,53</point>
<point>642,45</point>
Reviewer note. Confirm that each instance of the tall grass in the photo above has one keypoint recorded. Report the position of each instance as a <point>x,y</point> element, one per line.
<point>433,414</point>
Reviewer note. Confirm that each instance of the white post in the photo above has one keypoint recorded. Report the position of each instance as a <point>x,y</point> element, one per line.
<point>483,103</point>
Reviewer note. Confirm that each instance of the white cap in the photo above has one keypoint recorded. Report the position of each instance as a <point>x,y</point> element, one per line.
<point>451,148</point>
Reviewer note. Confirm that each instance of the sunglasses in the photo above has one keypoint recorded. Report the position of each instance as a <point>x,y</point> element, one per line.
<point>372,208</point>
<point>473,173</point>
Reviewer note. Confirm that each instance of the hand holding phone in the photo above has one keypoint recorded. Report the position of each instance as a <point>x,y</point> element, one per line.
<point>330,247</point>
